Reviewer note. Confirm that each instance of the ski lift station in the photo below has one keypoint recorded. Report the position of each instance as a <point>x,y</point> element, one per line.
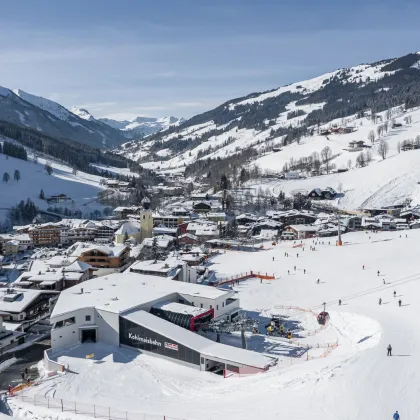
<point>153,315</point>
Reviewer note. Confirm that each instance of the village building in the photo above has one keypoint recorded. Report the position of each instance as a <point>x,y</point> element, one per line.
<point>48,234</point>
<point>299,232</point>
<point>163,230</point>
<point>58,198</point>
<point>188,239</point>
<point>10,248</point>
<point>24,304</point>
<point>128,231</point>
<point>23,239</point>
<point>101,256</point>
<point>9,338</point>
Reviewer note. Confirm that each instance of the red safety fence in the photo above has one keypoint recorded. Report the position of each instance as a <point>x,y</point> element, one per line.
<point>243,276</point>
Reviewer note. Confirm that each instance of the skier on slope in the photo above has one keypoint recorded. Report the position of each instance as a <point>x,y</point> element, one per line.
<point>395,293</point>
<point>396,416</point>
<point>380,301</point>
<point>389,348</point>
<point>399,303</point>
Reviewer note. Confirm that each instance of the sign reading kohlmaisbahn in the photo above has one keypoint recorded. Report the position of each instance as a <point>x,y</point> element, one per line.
<point>141,338</point>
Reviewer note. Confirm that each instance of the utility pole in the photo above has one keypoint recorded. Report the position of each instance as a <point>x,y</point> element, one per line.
<point>339,242</point>
<point>324,305</point>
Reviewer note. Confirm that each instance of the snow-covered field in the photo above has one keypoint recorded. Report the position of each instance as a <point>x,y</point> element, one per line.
<point>356,380</point>
<point>82,188</point>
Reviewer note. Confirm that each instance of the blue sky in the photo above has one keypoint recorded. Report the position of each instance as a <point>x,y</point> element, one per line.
<point>182,57</point>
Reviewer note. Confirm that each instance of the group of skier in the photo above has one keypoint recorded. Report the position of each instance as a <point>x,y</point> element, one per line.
<point>395,295</point>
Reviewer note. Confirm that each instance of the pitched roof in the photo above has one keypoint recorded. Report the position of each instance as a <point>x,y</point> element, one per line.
<point>78,267</point>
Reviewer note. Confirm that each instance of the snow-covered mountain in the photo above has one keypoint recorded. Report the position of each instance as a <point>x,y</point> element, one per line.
<point>284,127</point>
<point>142,126</point>
<point>24,109</point>
<point>82,113</point>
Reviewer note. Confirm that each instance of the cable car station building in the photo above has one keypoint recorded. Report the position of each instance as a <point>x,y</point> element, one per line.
<point>155,316</point>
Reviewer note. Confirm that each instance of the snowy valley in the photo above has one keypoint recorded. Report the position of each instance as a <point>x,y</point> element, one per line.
<point>255,261</point>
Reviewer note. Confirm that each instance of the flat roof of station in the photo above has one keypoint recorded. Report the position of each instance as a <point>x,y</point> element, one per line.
<point>121,292</point>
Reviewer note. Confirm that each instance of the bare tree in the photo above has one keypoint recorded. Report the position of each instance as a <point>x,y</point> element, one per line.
<point>360,160</point>
<point>380,130</point>
<point>388,114</point>
<point>417,141</point>
<point>326,157</point>
<point>371,136</point>
<point>383,149</point>
<point>399,147</point>
<point>349,163</point>
<point>386,126</point>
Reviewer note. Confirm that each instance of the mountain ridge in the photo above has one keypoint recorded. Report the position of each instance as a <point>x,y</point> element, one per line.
<point>28,110</point>
<point>283,114</point>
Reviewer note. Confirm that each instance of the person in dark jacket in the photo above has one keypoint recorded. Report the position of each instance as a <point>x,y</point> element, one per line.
<point>396,416</point>
<point>389,348</point>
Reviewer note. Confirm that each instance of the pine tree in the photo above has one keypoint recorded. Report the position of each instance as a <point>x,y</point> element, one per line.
<point>126,238</point>
<point>155,249</point>
<point>16,175</point>
<point>6,177</point>
<point>224,187</point>
<point>41,195</point>
<point>48,168</point>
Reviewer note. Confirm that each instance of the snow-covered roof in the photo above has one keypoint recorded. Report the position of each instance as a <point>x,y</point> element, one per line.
<point>188,235</point>
<point>304,228</point>
<point>156,266</point>
<point>60,260</point>
<point>111,251</point>
<point>180,308</point>
<point>128,228</point>
<point>162,241</point>
<point>121,292</point>
<point>23,297</point>
<point>78,267</point>
<point>200,344</point>
<point>15,237</point>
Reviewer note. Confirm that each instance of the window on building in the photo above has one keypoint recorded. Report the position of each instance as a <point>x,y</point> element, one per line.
<point>217,307</point>
<point>223,304</point>
<point>211,307</point>
<point>87,317</point>
<point>58,324</point>
<point>69,321</point>
<point>201,305</point>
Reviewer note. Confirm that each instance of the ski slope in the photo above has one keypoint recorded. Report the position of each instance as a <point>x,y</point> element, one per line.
<point>356,380</point>
<point>82,188</point>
